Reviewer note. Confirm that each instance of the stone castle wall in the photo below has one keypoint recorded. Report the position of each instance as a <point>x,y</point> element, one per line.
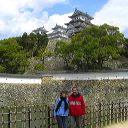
<point>93,90</point>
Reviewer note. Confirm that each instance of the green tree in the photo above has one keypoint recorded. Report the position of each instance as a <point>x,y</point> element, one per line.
<point>97,45</point>
<point>39,67</point>
<point>126,48</point>
<point>32,43</point>
<point>92,47</point>
<point>63,50</point>
<point>2,69</point>
<point>13,58</point>
<point>43,54</point>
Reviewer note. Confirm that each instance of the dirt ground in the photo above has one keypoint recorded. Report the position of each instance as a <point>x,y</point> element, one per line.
<point>120,125</point>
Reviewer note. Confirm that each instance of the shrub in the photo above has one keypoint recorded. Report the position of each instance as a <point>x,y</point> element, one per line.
<point>39,67</point>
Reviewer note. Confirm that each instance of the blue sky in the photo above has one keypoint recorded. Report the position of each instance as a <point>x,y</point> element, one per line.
<point>18,16</point>
<point>83,5</point>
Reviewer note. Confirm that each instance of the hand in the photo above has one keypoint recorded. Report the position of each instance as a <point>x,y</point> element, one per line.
<point>83,116</point>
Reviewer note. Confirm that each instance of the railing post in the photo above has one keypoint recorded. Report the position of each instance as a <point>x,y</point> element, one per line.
<point>112,114</point>
<point>99,115</point>
<point>119,116</point>
<point>126,112</point>
<point>49,117</point>
<point>9,119</point>
<point>123,112</point>
<point>108,113</point>
<point>29,117</point>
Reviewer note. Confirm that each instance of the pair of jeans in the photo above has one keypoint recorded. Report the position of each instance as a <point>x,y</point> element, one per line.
<point>76,121</point>
<point>62,121</point>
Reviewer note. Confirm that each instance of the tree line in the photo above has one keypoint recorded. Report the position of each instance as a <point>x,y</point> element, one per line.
<point>88,50</point>
<point>91,48</point>
<point>15,52</point>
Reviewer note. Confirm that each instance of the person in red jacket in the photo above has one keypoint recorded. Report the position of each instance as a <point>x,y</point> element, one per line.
<point>76,108</point>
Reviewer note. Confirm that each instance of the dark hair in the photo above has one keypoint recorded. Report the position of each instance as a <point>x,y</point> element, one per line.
<point>74,87</point>
<point>63,92</point>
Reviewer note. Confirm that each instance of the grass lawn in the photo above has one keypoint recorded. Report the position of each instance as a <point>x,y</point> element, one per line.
<point>120,125</point>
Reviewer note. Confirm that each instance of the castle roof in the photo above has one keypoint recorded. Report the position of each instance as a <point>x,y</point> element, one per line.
<point>77,21</point>
<point>42,29</point>
<point>79,13</point>
<point>58,26</point>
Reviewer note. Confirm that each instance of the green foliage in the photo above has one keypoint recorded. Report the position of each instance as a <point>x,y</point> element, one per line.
<point>15,52</point>
<point>126,48</point>
<point>13,59</point>
<point>2,69</point>
<point>33,42</point>
<point>63,50</point>
<point>43,54</point>
<point>39,67</point>
<point>92,47</point>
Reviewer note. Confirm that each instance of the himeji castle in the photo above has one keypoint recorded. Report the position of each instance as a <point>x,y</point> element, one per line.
<point>40,30</point>
<point>59,33</point>
<point>79,20</point>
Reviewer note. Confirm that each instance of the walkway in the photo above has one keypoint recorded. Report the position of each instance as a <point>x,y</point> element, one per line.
<point>120,125</point>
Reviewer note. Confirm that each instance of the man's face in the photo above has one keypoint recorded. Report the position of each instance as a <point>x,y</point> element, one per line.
<point>74,91</point>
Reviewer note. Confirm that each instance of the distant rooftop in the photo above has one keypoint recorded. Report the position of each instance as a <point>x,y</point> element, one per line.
<point>58,26</point>
<point>78,12</point>
<point>40,29</point>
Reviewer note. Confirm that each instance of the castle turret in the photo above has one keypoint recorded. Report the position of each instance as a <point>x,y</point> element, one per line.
<point>79,20</point>
<point>40,30</point>
<point>59,32</point>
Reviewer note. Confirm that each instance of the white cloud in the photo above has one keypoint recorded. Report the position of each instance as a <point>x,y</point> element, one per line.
<point>115,12</point>
<point>57,19</point>
<point>2,25</point>
<point>18,16</point>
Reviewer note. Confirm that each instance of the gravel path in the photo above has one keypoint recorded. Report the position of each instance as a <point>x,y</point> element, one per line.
<point>120,125</point>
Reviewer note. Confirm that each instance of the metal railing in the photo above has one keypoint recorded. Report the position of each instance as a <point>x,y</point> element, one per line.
<point>105,113</point>
<point>24,117</point>
<point>97,116</point>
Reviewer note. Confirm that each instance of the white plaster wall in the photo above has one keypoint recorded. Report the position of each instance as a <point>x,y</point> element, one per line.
<point>91,76</point>
<point>20,80</point>
<point>78,76</point>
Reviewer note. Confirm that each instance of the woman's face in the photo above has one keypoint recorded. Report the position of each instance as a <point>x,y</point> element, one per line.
<point>63,95</point>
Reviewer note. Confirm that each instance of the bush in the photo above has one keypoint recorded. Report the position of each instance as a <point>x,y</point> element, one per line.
<point>124,65</point>
<point>2,69</point>
<point>39,67</point>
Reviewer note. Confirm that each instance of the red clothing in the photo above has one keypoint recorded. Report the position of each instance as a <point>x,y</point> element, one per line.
<point>77,105</point>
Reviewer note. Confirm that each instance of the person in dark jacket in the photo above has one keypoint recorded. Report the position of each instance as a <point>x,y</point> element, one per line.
<point>61,110</point>
<point>76,108</point>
